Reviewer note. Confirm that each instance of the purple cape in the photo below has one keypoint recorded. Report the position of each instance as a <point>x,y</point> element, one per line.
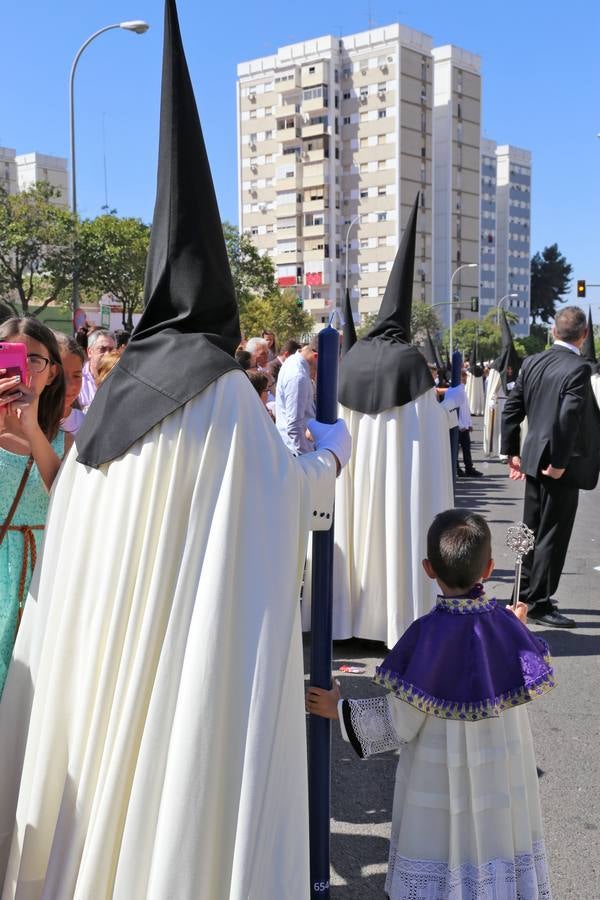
<point>468,659</point>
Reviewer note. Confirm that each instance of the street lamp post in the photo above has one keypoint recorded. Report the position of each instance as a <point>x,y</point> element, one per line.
<point>454,274</point>
<point>350,226</point>
<point>137,27</point>
<point>500,302</point>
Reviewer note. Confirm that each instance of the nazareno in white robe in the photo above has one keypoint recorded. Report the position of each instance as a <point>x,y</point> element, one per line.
<point>152,728</point>
<point>495,399</point>
<point>398,478</point>
<point>475,395</point>
<point>466,820</point>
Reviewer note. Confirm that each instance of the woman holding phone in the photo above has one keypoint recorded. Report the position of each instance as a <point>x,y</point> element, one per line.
<point>31,450</point>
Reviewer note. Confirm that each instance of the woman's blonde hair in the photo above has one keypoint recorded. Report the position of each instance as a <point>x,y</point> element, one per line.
<point>106,364</point>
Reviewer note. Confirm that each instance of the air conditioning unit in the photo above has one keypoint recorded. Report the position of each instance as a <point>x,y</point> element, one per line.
<point>383,67</point>
<point>381,95</point>
<point>252,96</point>
<point>262,207</point>
<point>363,71</point>
<point>254,167</point>
<point>390,59</point>
<point>363,98</point>
<point>253,146</point>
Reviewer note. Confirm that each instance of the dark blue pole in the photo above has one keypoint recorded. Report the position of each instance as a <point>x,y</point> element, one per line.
<point>319,739</point>
<point>456,372</point>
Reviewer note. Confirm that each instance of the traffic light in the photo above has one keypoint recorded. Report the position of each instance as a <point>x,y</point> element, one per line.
<point>475,304</point>
<point>299,302</point>
<point>581,289</point>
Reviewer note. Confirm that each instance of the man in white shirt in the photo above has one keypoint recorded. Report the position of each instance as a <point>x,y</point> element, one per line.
<point>99,343</point>
<point>456,398</point>
<point>295,403</point>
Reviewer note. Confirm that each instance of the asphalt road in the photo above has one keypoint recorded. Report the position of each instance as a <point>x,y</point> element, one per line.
<point>566,722</point>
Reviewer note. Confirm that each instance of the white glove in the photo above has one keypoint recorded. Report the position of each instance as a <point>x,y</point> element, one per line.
<point>334,437</point>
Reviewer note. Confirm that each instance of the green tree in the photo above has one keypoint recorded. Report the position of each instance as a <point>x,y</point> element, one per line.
<point>113,253</point>
<point>37,249</point>
<point>485,333</point>
<point>423,319</point>
<point>550,279</point>
<point>278,312</point>
<point>253,274</point>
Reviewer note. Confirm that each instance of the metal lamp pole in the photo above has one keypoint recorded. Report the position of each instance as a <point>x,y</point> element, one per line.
<point>350,226</point>
<point>456,271</point>
<point>137,27</point>
<point>500,302</point>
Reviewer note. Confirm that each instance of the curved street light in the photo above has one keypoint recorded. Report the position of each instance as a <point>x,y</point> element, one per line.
<point>500,302</point>
<point>450,330</point>
<point>137,26</point>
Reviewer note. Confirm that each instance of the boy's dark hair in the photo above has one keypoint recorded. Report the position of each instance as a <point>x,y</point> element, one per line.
<point>243,358</point>
<point>459,544</point>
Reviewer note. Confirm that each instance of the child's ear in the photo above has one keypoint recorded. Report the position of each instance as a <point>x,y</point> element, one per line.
<point>428,568</point>
<point>488,569</point>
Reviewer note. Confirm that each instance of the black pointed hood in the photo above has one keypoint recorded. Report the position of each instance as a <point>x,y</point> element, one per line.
<point>349,332</point>
<point>476,369</point>
<point>588,349</point>
<point>431,353</point>
<point>509,358</point>
<point>189,329</point>
<point>383,370</point>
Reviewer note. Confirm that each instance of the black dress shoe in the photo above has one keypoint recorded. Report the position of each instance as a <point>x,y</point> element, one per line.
<point>554,619</point>
<point>474,473</point>
<point>461,473</point>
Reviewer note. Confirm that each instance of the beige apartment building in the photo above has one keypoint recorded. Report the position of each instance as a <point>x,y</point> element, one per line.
<point>334,142</point>
<point>21,171</point>
<point>457,180</point>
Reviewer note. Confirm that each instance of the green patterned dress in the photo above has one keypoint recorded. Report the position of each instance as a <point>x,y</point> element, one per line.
<point>21,543</point>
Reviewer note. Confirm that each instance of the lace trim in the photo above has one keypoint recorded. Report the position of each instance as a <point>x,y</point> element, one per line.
<point>462,606</point>
<point>467,712</point>
<point>523,878</point>
<point>372,725</point>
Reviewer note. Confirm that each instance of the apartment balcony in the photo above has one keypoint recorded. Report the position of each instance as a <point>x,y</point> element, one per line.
<point>287,109</point>
<point>315,231</point>
<point>285,135</point>
<point>285,257</point>
<point>314,256</point>
<point>314,174</point>
<point>314,156</point>
<point>285,210</point>
<point>291,83</point>
<point>290,184</point>
<point>315,130</point>
<point>315,105</point>
<point>313,206</point>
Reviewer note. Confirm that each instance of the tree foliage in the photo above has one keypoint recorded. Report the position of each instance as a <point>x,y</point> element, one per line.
<point>550,279</point>
<point>485,334</point>
<point>253,274</point>
<point>277,312</point>
<point>37,249</point>
<point>113,254</point>
<point>423,318</point>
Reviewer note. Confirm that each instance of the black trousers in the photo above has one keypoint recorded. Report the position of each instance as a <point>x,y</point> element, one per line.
<point>464,440</point>
<point>549,511</point>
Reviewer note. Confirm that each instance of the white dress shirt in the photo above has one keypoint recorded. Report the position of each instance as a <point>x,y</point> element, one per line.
<point>568,346</point>
<point>294,404</point>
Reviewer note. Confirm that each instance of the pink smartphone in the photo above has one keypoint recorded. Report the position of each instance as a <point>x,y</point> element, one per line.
<point>13,358</point>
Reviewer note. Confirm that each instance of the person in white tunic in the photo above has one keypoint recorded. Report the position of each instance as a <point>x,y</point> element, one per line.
<point>399,475</point>
<point>147,750</point>
<point>474,386</point>
<point>466,821</point>
<point>503,374</point>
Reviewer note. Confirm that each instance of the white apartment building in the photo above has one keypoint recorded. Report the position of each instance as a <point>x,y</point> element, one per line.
<point>334,142</point>
<point>19,172</point>
<point>456,179</point>
<point>513,249</point>
<point>506,231</point>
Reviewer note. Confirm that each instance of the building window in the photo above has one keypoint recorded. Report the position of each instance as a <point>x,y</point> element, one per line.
<point>346,120</point>
<point>382,217</point>
<point>381,113</point>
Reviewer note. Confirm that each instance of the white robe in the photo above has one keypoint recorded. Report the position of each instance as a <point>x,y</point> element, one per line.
<point>596,387</point>
<point>475,395</point>
<point>495,398</point>
<point>399,477</point>
<point>466,818</point>
<point>153,714</point>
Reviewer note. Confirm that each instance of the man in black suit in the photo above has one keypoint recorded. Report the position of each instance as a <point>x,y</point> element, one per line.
<point>560,455</point>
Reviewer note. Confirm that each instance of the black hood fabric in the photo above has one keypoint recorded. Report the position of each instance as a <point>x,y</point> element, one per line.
<point>508,355</point>
<point>349,332</point>
<point>383,370</point>
<point>588,349</point>
<point>189,330</point>
<point>476,369</point>
<point>431,353</point>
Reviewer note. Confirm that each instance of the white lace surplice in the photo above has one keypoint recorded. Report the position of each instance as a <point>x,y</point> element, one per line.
<point>466,821</point>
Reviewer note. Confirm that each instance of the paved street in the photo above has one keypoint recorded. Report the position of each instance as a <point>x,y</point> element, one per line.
<point>566,723</point>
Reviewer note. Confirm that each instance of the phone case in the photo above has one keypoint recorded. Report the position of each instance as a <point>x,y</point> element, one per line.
<point>13,358</point>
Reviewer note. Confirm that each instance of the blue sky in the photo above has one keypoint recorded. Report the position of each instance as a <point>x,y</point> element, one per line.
<point>541,91</point>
